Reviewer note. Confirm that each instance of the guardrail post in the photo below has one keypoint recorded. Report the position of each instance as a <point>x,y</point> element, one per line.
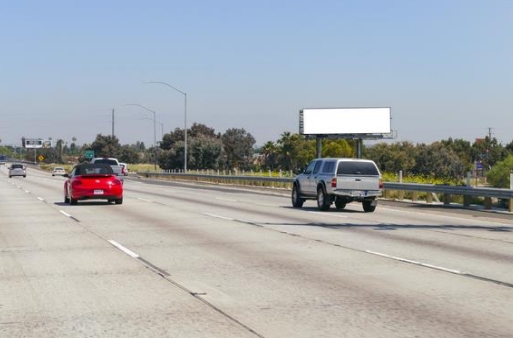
<point>488,203</point>
<point>466,200</point>
<point>414,196</point>
<point>447,199</point>
<point>429,198</point>
<point>400,193</point>
<point>510,188</point>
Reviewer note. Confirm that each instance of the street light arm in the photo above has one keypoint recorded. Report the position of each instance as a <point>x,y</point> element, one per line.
<point>185,118</point>
<point>167,84</point>
<point>139,105</point>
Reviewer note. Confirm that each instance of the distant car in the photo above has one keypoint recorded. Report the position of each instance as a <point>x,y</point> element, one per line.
<point>59,171</point>
<point>124,168</point>
<point>92,181</point>
<point>17,169</point>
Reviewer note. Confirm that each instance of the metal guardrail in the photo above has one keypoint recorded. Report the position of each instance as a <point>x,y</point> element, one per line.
<point>286,182</point>
<point>451,189</point>
<point>221,178</point>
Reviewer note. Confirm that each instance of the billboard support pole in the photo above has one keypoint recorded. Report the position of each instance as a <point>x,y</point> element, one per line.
<point>318,140</point>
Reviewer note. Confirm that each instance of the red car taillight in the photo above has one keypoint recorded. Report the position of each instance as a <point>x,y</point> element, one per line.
<point>76,182</point>
<point>334,182</point>
<point>116,181</point>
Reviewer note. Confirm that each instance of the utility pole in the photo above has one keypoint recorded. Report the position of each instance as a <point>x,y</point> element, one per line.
<point>112,123</point>
<point>490,133</point>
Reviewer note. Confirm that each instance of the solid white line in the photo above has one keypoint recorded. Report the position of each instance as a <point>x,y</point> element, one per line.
<point>221,217</point>
<point>65,214</point>
<point>442,268</point>
<point>415,262</point>
<point>122,248</point>
<point>392,257</point>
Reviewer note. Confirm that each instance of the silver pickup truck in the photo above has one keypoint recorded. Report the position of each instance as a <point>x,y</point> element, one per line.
<point>113,162</point>
<point>339,181</point>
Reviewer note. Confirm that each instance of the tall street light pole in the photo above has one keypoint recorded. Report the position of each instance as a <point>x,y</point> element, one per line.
<point>154,129</point>
<point>185,119</point>
<point>161,130</point>
<point>112,123</point>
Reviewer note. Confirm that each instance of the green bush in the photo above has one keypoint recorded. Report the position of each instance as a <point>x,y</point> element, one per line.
<point>498,176</point>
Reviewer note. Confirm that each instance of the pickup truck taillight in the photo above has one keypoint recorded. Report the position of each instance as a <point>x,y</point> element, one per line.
<point>334,182</point>
<point>380,183</point>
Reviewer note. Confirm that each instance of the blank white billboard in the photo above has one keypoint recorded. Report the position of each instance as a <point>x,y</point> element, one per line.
<point>33,143</point>
<point>37,143</point>
<point>344,121</point>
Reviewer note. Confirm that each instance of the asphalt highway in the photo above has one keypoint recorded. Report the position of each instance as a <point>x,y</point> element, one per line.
<point>192,260</point>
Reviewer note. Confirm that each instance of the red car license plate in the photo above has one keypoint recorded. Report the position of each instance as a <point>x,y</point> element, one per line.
<point>98,192</point>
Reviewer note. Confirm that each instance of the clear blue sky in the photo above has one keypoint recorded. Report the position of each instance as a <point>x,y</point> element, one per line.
<point>445,67</point>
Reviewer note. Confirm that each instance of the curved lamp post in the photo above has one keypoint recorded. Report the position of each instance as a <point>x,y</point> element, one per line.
<point>185,119</point>
<point>154,129</point>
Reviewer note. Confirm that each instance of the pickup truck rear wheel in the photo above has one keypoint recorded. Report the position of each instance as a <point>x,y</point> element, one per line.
<point>369,206</point>
<point>323,200</point>
<point>297,202</point>
<point>340,203</point>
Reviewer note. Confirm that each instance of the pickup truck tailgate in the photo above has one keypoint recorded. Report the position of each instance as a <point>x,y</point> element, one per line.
<point>357,182</point>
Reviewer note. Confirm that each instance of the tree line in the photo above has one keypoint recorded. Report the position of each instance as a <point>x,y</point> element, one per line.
<point>235,149</point>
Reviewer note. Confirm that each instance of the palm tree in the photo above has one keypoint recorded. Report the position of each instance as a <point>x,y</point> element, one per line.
<point>286,150</point>
<point>59,147</point>
<point>73,146</point>
<point>270,153</point>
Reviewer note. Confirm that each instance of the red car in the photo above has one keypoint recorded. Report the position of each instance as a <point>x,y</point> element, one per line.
<point>92,181</point>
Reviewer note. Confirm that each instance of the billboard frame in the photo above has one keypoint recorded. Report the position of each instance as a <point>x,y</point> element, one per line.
<point>353,123</point>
